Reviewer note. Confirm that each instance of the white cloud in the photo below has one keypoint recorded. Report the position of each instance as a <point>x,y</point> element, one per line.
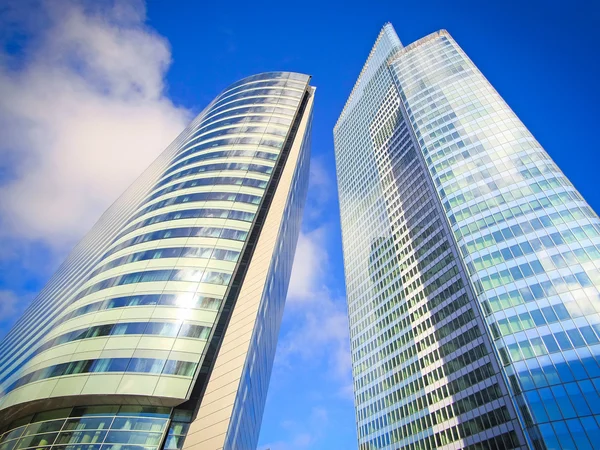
<point>302,434</point>
<point>82,113</point>
<point>320,327</point>
<point>321,190</point>
<point>310,262</point>
<point>8,305</point>
<point>321,331</point>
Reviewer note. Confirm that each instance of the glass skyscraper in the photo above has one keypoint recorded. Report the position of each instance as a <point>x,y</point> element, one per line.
<point>159,330</point>
<point>472,263</point>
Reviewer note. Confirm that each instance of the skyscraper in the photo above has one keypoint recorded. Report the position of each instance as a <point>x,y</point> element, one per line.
<point>471,263</point>
<point>159,329</point>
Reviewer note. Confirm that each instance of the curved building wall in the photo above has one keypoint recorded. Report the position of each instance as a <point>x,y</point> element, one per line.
<point>232,405</point>
<point>131,315</point>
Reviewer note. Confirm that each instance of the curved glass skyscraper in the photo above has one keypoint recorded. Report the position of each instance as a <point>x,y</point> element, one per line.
<point>163,321</point>
<point>472,263</point>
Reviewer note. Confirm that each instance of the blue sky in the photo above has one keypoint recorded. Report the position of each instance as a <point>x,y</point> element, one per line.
<point>101,87</point>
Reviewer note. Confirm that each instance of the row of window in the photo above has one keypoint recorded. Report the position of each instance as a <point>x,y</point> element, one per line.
<point>538,223</point>
<point>497,180</point>
<point>238,131</point>
<point>443,437</point>
<point>171,252</point>
<point>448,412</point>
<point>504,277</point>
<point>89,440</point>
<point>539,204</point>
<point>505,441</point>
<point>244,111</point>
<point>433,121</point>
<point>149,276</point>
<point>222,154</point>
<point>448,273</point>
<point>392,318</point>
<point>252,91</point>
<point>517,193</point>
<point>509,196</point>
<point>165,329</point>
<point>399,341</point>
<point>540,317</point>
<point>393,380</point>
<point>403,307</point>
<point>540,244</point>
<point>517,153</point>
<point>212,181</point>
<point>548,240</point>
<point>582,433</point>
<point>245,119</point>
<point>98,429</point>
<point>554,286</point>
<point>201,197</point>
<point>256,95</point>
<point>578,399</point>
<point>417,228</point>
<point>240,108</point>
<point>546,371</point>
<point>254,102</point>
<point>402,313</point>
<point>215,167</point>
<point>176,435</point>
<point>108,365</point>
<point>405,330</point>
<point>79,417</point>
<point>407,388</point>
<point>184,232</point>
<point>403,409</point>
<point>398,361</point>
<point>559,341</point>
<point>187,301</point>
<point>397,287</point>
<point>476,158</point>
<point>290,86</point>
<point>273,77</point>
<point>200,213</point>
<point>423,262</point>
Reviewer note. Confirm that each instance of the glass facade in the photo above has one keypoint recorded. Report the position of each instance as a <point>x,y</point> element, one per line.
<point>471,263</point>
<point>106,427</point>
<point>138,312</point>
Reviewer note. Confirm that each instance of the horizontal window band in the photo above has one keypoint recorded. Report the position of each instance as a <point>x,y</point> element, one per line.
<point>170,252</point>
<point>165,329</point>
<point>216,167</point>
<point>233,139</point>
<point>184,300</point>
<point>201,197</point>
<point>220,154</point>
<point>208,213</point>
<point>109,365</point>
<point>212,181</point>
<point>239,121</point>
<point>182,232</point>
<point>191,275</point>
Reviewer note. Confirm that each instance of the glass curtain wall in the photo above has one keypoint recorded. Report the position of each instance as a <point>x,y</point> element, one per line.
<point>528,239</point>
<point>471,263</point>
